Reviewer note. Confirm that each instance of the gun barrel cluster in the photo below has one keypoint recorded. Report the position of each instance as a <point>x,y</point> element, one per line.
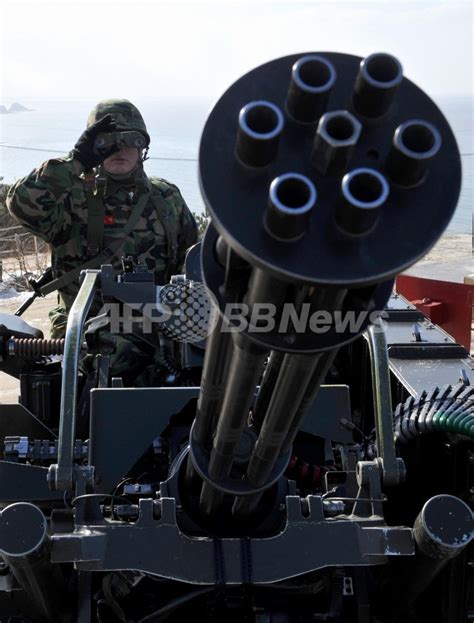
<point>311,174</point>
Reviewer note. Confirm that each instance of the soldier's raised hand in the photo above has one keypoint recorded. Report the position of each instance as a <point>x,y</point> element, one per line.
<point>84,150</point>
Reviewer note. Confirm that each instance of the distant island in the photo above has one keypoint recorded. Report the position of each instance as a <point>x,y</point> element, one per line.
<point>15,107</point>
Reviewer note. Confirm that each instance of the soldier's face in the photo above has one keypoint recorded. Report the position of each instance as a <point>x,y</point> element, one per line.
<point>122,161</point>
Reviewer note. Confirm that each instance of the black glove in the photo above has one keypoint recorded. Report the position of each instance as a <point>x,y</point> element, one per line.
<point>84,150</point>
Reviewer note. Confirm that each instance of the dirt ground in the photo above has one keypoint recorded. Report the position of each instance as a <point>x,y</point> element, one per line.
<point>450,247</point>
<point>450,259</point>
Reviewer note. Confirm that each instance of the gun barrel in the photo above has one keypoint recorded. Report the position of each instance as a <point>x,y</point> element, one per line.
<point>245,369</point>
<point>312,79</point>
<point>25,547</point>
<point>443,529</point>
<point>376,85</point>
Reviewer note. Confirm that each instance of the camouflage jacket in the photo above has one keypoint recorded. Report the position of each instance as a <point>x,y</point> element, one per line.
<point>51,203</point>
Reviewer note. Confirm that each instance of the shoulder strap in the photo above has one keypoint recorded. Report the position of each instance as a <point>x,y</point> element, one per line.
<point>94,188</point>
<point>107,254</point>
<point>169,221</point>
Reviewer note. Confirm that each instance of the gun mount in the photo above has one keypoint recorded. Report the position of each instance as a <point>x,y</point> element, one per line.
<point>267,477</point>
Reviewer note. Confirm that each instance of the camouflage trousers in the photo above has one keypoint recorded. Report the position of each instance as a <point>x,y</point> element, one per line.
<point>131,359</point>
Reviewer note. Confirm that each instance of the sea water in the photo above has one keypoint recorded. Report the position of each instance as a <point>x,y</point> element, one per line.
<point>29,138</point>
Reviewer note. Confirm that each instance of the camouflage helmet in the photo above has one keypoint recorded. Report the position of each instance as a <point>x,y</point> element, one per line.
<point>125,114</point>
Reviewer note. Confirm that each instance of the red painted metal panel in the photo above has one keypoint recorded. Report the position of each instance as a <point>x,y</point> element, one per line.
<point>447,304</point>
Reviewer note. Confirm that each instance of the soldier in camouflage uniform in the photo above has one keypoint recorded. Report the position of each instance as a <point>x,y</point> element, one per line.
<point>108,187</point>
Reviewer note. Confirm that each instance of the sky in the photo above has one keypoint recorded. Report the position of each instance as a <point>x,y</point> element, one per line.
<point>95,49</point>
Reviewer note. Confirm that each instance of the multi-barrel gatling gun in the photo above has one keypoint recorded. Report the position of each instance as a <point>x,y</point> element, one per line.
<point>268,478</point>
